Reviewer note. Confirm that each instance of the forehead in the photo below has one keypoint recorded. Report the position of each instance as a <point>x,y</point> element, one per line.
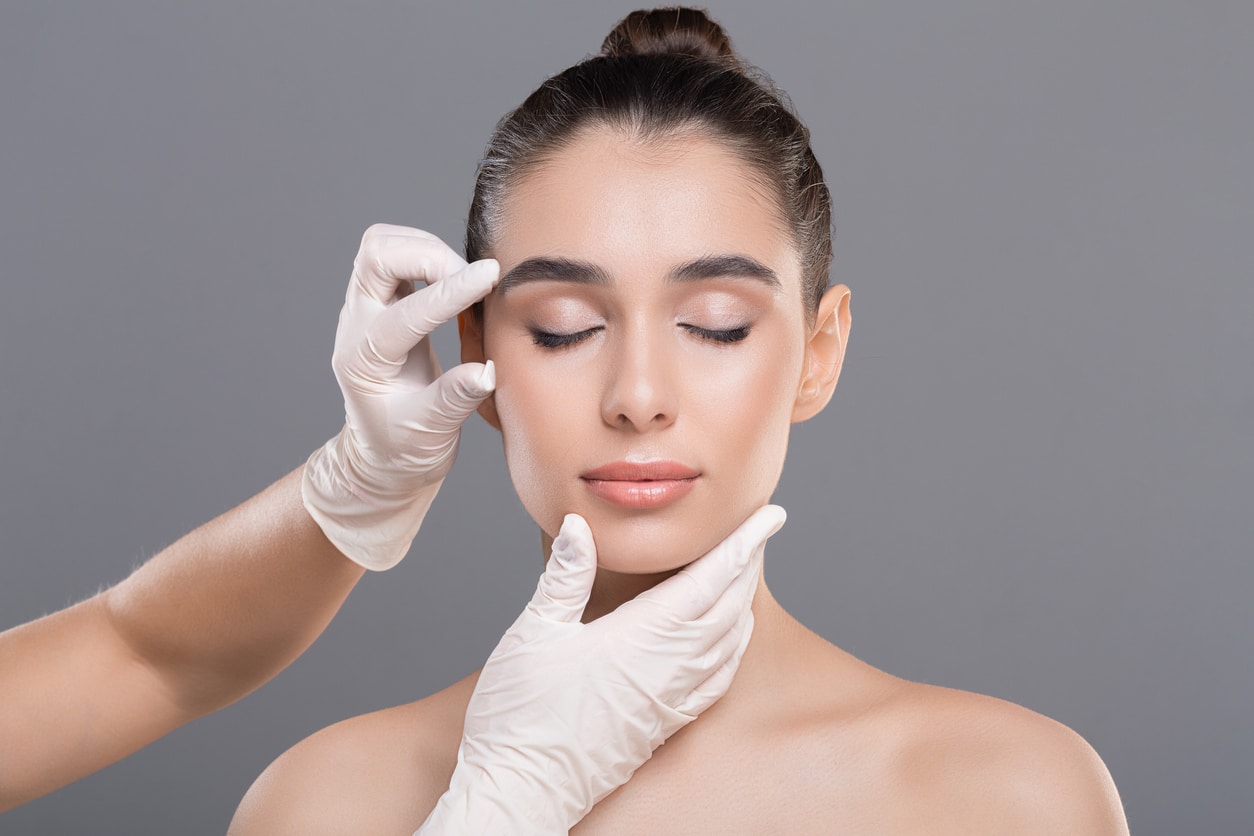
<point>626,204</point>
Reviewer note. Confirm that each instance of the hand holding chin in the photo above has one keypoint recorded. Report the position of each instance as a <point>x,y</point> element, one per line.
<point>565,712</point>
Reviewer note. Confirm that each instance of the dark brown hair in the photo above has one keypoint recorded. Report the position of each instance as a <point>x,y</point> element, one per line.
<point>663,73</point>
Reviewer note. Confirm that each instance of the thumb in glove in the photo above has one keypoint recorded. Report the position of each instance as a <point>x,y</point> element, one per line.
<point>566,584</point>
<point>449,401</point>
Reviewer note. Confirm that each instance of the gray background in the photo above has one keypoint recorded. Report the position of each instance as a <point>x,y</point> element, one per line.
<point>1034,479</point>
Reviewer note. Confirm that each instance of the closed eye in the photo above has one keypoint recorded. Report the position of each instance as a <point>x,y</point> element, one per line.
<point>729,335</point>
<point>547,339</point>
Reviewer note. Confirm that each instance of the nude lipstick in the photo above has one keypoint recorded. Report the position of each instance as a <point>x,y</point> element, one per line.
<point>640,484</point>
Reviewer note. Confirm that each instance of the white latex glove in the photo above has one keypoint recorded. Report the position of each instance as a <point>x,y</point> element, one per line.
<point>565,712</point>
<point>370,486</point>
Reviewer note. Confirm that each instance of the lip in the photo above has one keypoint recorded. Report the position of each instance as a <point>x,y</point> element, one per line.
<point>652,471</point>
<point>640,484</point>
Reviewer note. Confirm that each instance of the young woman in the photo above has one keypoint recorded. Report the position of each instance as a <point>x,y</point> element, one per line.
<point>663,317</point>
<point>229,605</point>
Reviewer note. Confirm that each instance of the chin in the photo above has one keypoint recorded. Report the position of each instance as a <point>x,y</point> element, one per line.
<point>657,541</point>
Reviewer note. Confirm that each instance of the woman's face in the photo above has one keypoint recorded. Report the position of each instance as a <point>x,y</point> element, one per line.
<point>649,337</point>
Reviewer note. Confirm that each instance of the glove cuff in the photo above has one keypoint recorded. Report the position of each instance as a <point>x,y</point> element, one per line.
<point>477,802</point>
<point>371,532</point>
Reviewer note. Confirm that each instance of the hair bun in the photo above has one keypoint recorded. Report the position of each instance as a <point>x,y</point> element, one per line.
<point>673,30</point>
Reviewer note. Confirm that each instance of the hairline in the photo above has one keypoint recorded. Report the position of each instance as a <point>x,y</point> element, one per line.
<point>766,187</point>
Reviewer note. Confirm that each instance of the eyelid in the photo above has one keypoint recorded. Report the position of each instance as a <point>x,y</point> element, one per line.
<point>719,335</point>
<point>552,340</point>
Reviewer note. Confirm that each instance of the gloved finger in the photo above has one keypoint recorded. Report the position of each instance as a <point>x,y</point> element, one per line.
<point>693,590</point>
<point>403,324</point>
<point>728,644</point>
<point>730,608</point>
<point>391,254</point>
<point>717,683</point>
<point>566,583</point>
<point>447,403</point>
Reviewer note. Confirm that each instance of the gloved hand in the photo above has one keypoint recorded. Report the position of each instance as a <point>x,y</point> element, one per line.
<point>564,712</point>
<point>370,486</point>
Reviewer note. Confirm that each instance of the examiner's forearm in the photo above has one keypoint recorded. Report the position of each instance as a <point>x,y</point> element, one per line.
<point>228,606</point>
<point>198,626</point>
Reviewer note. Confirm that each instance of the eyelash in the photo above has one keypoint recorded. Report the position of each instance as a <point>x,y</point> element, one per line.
<point>730,335</point>
<point>549,340</point>
<point>546,339</point>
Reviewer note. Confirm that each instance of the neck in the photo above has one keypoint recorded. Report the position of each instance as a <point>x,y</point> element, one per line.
<point>782,667</point>
<point>780,648</point>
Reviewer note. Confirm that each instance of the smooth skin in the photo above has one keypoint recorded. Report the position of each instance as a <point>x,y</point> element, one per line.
<point>808,739</point>
<point>198,626</point>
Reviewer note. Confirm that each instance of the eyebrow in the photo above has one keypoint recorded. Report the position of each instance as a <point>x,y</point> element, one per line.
<point>583,272</point>
<point>719,266</point>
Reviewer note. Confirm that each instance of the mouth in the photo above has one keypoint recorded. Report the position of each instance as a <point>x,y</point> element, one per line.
<point>640,484</point>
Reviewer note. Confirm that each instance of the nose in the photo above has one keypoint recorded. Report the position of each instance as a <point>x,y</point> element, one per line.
<point>639,393</point>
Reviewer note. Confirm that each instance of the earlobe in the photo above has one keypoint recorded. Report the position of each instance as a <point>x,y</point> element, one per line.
<point>825,353</point>
<point>470,332</point>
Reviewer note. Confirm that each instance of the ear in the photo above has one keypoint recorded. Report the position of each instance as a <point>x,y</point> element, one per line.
<point>470,331</point>
<point>825,352</point>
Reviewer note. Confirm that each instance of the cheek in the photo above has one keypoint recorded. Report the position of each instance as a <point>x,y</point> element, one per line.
<point>743,407</point>
<point>537,420</point>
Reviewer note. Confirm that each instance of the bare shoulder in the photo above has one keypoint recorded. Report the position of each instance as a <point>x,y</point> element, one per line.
<point>376,773</point>
<point>988,765</point>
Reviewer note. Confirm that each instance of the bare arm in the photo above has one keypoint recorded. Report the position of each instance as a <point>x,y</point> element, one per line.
<point>231,604</point>
<point>198,626</point>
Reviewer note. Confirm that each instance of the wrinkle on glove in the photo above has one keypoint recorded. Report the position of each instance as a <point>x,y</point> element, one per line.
<point>370,487</point>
